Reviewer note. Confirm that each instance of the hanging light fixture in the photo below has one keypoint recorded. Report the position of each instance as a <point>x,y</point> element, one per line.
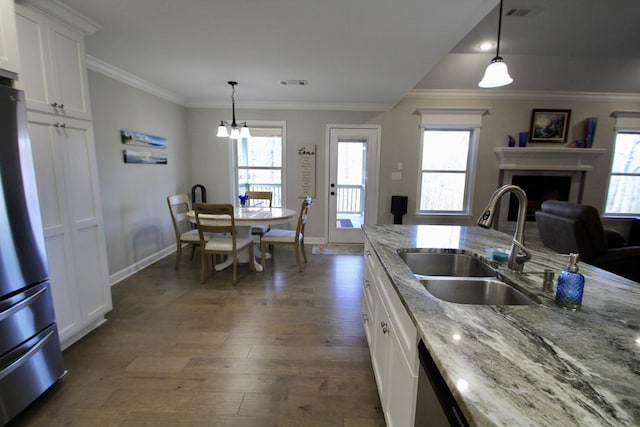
<point>238,130</point>
<point>496,74</point>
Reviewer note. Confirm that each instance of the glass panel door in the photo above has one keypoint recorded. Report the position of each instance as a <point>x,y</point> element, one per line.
<point>351,153</point>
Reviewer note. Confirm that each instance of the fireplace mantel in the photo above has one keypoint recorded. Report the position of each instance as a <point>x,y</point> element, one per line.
<point>547,159</point>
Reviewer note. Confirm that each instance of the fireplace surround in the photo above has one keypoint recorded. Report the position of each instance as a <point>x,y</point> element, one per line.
<point>550,173</point>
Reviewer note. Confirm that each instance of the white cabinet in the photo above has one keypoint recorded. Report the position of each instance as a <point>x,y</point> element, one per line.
<point>55,85</point>
<point>392,343</point>
<point>65,164</point>
<point>54,73</point>
<point>9,58</point>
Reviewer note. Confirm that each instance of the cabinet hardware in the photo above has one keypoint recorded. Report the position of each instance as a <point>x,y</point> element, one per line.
<point>56,105</point>
<point>385,327</point>
<point>60,125</point>
<point>365,318</point>
<point>367,284</point>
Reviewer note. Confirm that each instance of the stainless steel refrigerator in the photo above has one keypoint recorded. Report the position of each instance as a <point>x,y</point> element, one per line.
<point>30,356</point>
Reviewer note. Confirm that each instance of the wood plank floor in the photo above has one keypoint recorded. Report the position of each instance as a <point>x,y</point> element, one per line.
<point>281,348</point>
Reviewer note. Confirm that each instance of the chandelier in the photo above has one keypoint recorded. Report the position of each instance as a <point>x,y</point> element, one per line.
<point>233,130</point>
<point>496,74</point>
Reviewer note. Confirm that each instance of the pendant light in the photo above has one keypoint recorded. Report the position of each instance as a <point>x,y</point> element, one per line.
<point>238,130</point>
<point>496,74</point>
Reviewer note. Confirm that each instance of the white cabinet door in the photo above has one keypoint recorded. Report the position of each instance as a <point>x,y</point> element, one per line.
<point>58,241</point>
<point>66,177</point>
<point>85,217</point>
<point>36,79</point>
<point>9,57</point>
<point>55,76</point>
<point>394,354</point>
<point>401,384</point>
<point>69,71</point>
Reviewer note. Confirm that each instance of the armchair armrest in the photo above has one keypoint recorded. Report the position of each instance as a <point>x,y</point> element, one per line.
<point>621,261</point>
<point>614,239</point>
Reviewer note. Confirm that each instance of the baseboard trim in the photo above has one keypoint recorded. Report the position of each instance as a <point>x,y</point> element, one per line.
<point>140,265</point>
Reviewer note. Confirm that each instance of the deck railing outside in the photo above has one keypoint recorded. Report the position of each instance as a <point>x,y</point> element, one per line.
<point>350,198</point>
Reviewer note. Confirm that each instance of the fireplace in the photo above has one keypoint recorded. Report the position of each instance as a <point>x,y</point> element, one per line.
<point>543,174</point>
<point>538,189</point>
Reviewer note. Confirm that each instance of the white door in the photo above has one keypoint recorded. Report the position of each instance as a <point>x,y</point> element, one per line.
<point>353,181</point>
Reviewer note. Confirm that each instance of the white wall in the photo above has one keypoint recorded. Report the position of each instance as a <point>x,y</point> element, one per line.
<point>136,217</point>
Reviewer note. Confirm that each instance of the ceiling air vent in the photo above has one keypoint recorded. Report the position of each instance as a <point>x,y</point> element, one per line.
<point>521,12</point>
<point>294,82</point>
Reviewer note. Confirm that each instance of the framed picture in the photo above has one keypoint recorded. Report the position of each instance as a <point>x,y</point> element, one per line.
<point>143,139</point>
<point>549,125</point>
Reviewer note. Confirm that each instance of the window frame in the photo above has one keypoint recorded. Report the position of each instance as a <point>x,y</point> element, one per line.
<point>451,119</point>
<point>627,122</point>
<point>235,184</point>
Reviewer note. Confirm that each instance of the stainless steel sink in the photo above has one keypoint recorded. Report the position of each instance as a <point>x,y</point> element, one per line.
<point>479,291</point>
<point>446,264</point>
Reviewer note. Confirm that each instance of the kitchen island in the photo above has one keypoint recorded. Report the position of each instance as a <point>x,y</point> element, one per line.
<point>535,365</point>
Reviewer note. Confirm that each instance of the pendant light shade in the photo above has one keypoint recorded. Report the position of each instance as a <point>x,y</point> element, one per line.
<point>496,74</point>
<point>233,130</point>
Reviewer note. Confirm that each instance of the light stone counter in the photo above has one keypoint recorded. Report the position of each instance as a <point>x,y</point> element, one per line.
<point>525,365</point>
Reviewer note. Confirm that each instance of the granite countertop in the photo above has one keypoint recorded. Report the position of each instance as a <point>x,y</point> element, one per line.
<point>536,365</point>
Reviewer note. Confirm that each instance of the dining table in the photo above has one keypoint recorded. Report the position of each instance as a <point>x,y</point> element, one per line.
<point>245,218</point>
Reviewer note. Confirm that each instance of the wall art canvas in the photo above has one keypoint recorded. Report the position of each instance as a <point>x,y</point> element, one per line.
<point>144,157</point>
<point>549,125</point>
<point>143,139</point>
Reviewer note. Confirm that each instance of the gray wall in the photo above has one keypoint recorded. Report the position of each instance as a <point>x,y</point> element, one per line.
<point>401,140</point>
<point>137,224</point>
<point>136,216</point>
<point>210,157</point>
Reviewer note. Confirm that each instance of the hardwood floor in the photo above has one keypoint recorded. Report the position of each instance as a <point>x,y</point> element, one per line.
<point>280,348</point>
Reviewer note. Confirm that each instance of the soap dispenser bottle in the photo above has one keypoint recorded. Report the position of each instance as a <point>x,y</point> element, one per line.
<point>570,286</point>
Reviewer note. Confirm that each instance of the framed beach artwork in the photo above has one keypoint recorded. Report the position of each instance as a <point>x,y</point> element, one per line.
<point>130,137</point>
<point>549,125</point>
<point>144,157</point>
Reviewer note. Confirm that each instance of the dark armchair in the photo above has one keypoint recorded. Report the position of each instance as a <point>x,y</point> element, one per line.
<point>569,227</point>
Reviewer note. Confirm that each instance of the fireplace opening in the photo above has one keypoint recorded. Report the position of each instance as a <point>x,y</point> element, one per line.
<point>538,189</point>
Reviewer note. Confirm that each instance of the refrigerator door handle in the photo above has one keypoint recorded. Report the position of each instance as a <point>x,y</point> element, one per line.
<point>16,364</point>
<point>19,306</point>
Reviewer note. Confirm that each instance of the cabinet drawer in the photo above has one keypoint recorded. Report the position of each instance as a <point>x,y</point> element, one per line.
<point>24,315</point>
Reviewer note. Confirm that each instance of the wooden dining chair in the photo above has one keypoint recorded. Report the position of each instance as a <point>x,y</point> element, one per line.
<point>277,236</point>
<point>224,238</point>
<point>259,198</point>
<point>179,205</point>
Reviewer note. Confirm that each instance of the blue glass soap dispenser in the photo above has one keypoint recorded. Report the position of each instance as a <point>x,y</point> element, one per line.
<point>570,286</point>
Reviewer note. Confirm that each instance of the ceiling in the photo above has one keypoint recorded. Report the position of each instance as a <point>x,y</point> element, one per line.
<point>360,54</point>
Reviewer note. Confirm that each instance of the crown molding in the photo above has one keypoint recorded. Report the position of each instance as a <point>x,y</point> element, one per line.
<point>66,14</point>
<point>94,64</point>
<point>507,94</point>
<point>274,105</point>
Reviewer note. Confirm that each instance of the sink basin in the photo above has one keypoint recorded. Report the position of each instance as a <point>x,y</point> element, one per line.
<point>478,291</point>
<point>446,264</point>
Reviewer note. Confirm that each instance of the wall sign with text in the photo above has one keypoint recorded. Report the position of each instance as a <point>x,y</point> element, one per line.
<point>306,170</point>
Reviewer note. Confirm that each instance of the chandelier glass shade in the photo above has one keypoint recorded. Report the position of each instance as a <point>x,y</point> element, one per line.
<point>496,74</point>
<point>233,130</point>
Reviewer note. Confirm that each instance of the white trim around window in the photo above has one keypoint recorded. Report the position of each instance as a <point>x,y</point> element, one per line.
<point>464,125</point>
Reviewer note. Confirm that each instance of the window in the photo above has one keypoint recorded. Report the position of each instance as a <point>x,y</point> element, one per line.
<point>623,196</point>
<point>447,160</point>
<point>259,162</point>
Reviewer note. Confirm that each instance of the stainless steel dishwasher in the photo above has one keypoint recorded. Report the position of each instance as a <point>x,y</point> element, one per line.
<point>435,405</point>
